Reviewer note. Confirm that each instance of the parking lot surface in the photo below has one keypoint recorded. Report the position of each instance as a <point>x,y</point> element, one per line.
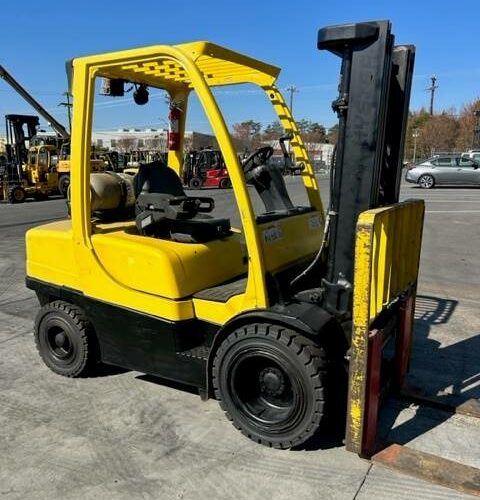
<point>126,435</point>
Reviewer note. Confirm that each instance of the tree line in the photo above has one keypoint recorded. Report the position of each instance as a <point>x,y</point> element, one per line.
<point>447,131</point>
<point>250,134</point>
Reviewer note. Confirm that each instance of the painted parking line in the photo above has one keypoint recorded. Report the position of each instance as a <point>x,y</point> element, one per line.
<point>451,201</point>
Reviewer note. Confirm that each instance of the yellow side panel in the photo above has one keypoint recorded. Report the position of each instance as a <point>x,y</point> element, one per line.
<point>166,268</point>
<point>286,240</point>
<point>53,257</point>
<point>396,234</point>
<point>50,255</point>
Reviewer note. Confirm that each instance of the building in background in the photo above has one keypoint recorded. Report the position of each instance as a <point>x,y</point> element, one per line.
<point>125,140</point>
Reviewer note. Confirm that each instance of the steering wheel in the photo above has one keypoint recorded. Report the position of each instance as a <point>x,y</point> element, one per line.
<point>257,158</point>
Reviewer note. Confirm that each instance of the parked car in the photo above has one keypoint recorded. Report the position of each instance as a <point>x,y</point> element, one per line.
<point>445,169</point>
<point>473,154</point>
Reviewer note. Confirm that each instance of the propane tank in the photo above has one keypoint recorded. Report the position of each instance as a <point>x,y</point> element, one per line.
<point>174,128</point>
<point>111,191</point>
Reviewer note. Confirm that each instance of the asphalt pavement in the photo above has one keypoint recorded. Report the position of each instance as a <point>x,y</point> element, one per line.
<point>125,435</point>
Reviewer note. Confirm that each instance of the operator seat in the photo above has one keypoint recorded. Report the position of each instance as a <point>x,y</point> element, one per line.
<point>163,210</point>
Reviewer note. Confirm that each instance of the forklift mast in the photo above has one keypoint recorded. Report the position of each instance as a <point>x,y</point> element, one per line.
<point>372,107</point>
<point>19,130</point>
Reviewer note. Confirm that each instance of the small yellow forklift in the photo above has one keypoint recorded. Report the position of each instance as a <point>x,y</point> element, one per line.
<point>278,318</point>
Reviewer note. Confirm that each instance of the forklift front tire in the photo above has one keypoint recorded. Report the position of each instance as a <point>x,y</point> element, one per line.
<point>269,381</point>
<point>16,194</point>
<point>65,339</point>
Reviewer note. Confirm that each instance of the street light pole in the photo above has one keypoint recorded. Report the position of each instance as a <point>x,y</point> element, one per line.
<point>415,135</point>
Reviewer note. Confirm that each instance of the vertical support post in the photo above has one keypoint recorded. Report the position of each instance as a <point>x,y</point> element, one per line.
<point>357,385</point>
<point>374,367</point>
<point>404,340</point>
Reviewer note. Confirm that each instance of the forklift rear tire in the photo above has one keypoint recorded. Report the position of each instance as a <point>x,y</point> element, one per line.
<point>65,339</point>
<point>63,184</point>
<point>16,194</point>
<point>195,183</point>
<point>269,381</point>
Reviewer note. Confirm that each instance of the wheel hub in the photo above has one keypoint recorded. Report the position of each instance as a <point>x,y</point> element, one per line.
<point>272,381</point>
<point>60,339</point>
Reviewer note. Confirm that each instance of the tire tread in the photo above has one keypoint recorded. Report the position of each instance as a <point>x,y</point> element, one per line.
<point>84,332</point>
<point>313,358</point>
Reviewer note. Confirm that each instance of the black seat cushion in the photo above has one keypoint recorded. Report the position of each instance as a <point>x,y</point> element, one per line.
<point>157,177</point>
<point>155,185</point>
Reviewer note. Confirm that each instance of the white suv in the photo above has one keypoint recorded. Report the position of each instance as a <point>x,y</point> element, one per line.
<point>473,154</point>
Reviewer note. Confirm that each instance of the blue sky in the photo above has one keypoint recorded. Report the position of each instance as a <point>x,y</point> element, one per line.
<point>38,37</point>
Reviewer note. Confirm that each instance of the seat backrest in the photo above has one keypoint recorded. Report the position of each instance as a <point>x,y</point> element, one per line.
<point>157,177</point>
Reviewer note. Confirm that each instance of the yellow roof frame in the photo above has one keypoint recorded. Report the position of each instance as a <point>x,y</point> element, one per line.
<point>178,69</point>
<point>160,65</point>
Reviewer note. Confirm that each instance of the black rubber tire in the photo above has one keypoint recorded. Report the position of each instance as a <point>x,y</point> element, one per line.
<point>61,318</point>
<point>426,181</point>
<point>63,184</point>
<point>16,194</point>
<point>195,183</point>
<point>225,183</point>
<point>303,369</point>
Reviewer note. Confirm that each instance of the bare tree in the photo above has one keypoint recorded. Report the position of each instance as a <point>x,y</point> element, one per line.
<point>155,143</point>
<point>273,131</point>
<point>247,134</point>
<point>439,133</point>
<point>466,124</point>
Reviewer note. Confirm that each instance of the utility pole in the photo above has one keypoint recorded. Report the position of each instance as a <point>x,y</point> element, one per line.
<point>432,89</point>
<point>292,89</point>
<point>68,105</point>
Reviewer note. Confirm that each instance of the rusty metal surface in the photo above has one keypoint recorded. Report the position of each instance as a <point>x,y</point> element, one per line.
<point>430,468</point>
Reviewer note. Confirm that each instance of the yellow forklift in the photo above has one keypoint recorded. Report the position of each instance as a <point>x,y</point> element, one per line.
<point>28,171</point>
<point>278,319</point>
<point>46,170</point>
